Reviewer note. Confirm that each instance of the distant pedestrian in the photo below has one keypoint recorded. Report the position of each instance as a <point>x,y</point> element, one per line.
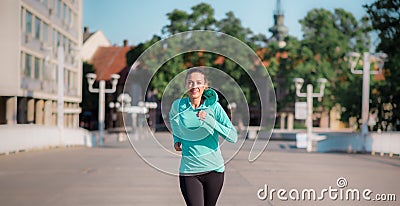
<point>196,123</point>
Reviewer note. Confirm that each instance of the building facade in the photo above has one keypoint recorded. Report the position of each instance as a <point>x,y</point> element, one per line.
<point>41,72</point>
<point>91,42</point>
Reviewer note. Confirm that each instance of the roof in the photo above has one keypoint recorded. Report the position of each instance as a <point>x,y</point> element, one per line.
<point>109,60</point>
<point>87,35</point>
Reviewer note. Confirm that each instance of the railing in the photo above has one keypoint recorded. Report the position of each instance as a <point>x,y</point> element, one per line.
<point>382,143</point>
<point>386,143</point>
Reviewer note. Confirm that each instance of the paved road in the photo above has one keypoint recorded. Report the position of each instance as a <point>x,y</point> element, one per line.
<point>116,175</point>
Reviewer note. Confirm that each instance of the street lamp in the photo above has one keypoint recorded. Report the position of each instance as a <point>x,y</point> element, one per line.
<point>299,83</point>
<point>232,107</point>
<point>379,58</point>
<point>124,99</point>
<point>60,82</point>
<point>114,106</point>
<point>102,90</point>
<point>152,106</point>
<point>60,89</point>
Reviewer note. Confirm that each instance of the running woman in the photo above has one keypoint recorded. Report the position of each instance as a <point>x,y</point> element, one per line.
<point>196,123</point>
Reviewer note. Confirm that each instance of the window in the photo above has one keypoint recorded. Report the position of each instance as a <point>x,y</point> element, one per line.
<point>64,6</point>
<point>58,8</point>
<point>66,44</point>
<point>22,66</point>
<point>51,72</point>
<point>28,65</point>
<point>72,19</point>
<point>45,3</point>
<point>53,37</point>
<point>37,68</point>
<point>37,28</point>
<point>58,39</point>
<point>22,19</point>
<point>69,16</point>
<point>28,22</point>
<point>45,34</point>
<point>44,67</point>
<point>66,79</point>
<point>74,81</point>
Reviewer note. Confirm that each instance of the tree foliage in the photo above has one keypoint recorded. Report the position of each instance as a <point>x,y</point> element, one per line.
<point>202,17</point>
<point>328,36</point>
<point>385,95</point>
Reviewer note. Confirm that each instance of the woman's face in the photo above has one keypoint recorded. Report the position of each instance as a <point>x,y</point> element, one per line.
<point>195,85</point>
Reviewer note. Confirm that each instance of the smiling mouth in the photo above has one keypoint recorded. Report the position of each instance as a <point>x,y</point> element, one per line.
<point>194,91</point>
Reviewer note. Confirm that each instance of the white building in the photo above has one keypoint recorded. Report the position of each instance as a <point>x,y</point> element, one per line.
<point>91,42</point>
<point>32,31</point>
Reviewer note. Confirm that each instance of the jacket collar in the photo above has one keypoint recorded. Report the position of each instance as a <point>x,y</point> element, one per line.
<point>211,97</point>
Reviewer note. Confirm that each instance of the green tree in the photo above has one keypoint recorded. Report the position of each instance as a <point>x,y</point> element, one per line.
<point>327,38</point>
<point>178,22</point>
<point>90,101</point>
<point>135,52</point>
<point>200,17</point>
<point>385,18</point>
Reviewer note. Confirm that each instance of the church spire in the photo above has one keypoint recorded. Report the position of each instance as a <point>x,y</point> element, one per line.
<point>279,30</point>
<point>278,10</point>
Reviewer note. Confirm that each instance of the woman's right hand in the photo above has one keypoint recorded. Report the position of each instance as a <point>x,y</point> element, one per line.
<point>178,146</point>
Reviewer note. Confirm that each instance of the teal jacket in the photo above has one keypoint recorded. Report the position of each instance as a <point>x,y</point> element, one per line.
<point>199,138</point>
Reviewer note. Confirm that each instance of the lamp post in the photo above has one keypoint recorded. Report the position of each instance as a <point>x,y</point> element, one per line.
<point>60,83</point>
<point>60,88</point>
<point>299,83</point>
<point>102,91</point>
<point>115,107</point>
<point>380,58</point>
<point>152,106</point>
<point>60,78</point>
<point>232,107</point>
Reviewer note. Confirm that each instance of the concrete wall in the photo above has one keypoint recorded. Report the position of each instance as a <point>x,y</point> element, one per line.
<point>340,142</point>
<point>10,44</point>
<point>384,143</point>
<point>14,138</point>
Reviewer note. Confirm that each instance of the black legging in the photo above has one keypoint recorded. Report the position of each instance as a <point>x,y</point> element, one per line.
<point>202,189</point>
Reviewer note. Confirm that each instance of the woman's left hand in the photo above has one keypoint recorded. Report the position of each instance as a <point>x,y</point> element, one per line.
<point>201,115</point>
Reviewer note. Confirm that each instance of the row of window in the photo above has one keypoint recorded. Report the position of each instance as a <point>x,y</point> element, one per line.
<point>37,68</point>
<point>40,30</point>
<point>62,9</point>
